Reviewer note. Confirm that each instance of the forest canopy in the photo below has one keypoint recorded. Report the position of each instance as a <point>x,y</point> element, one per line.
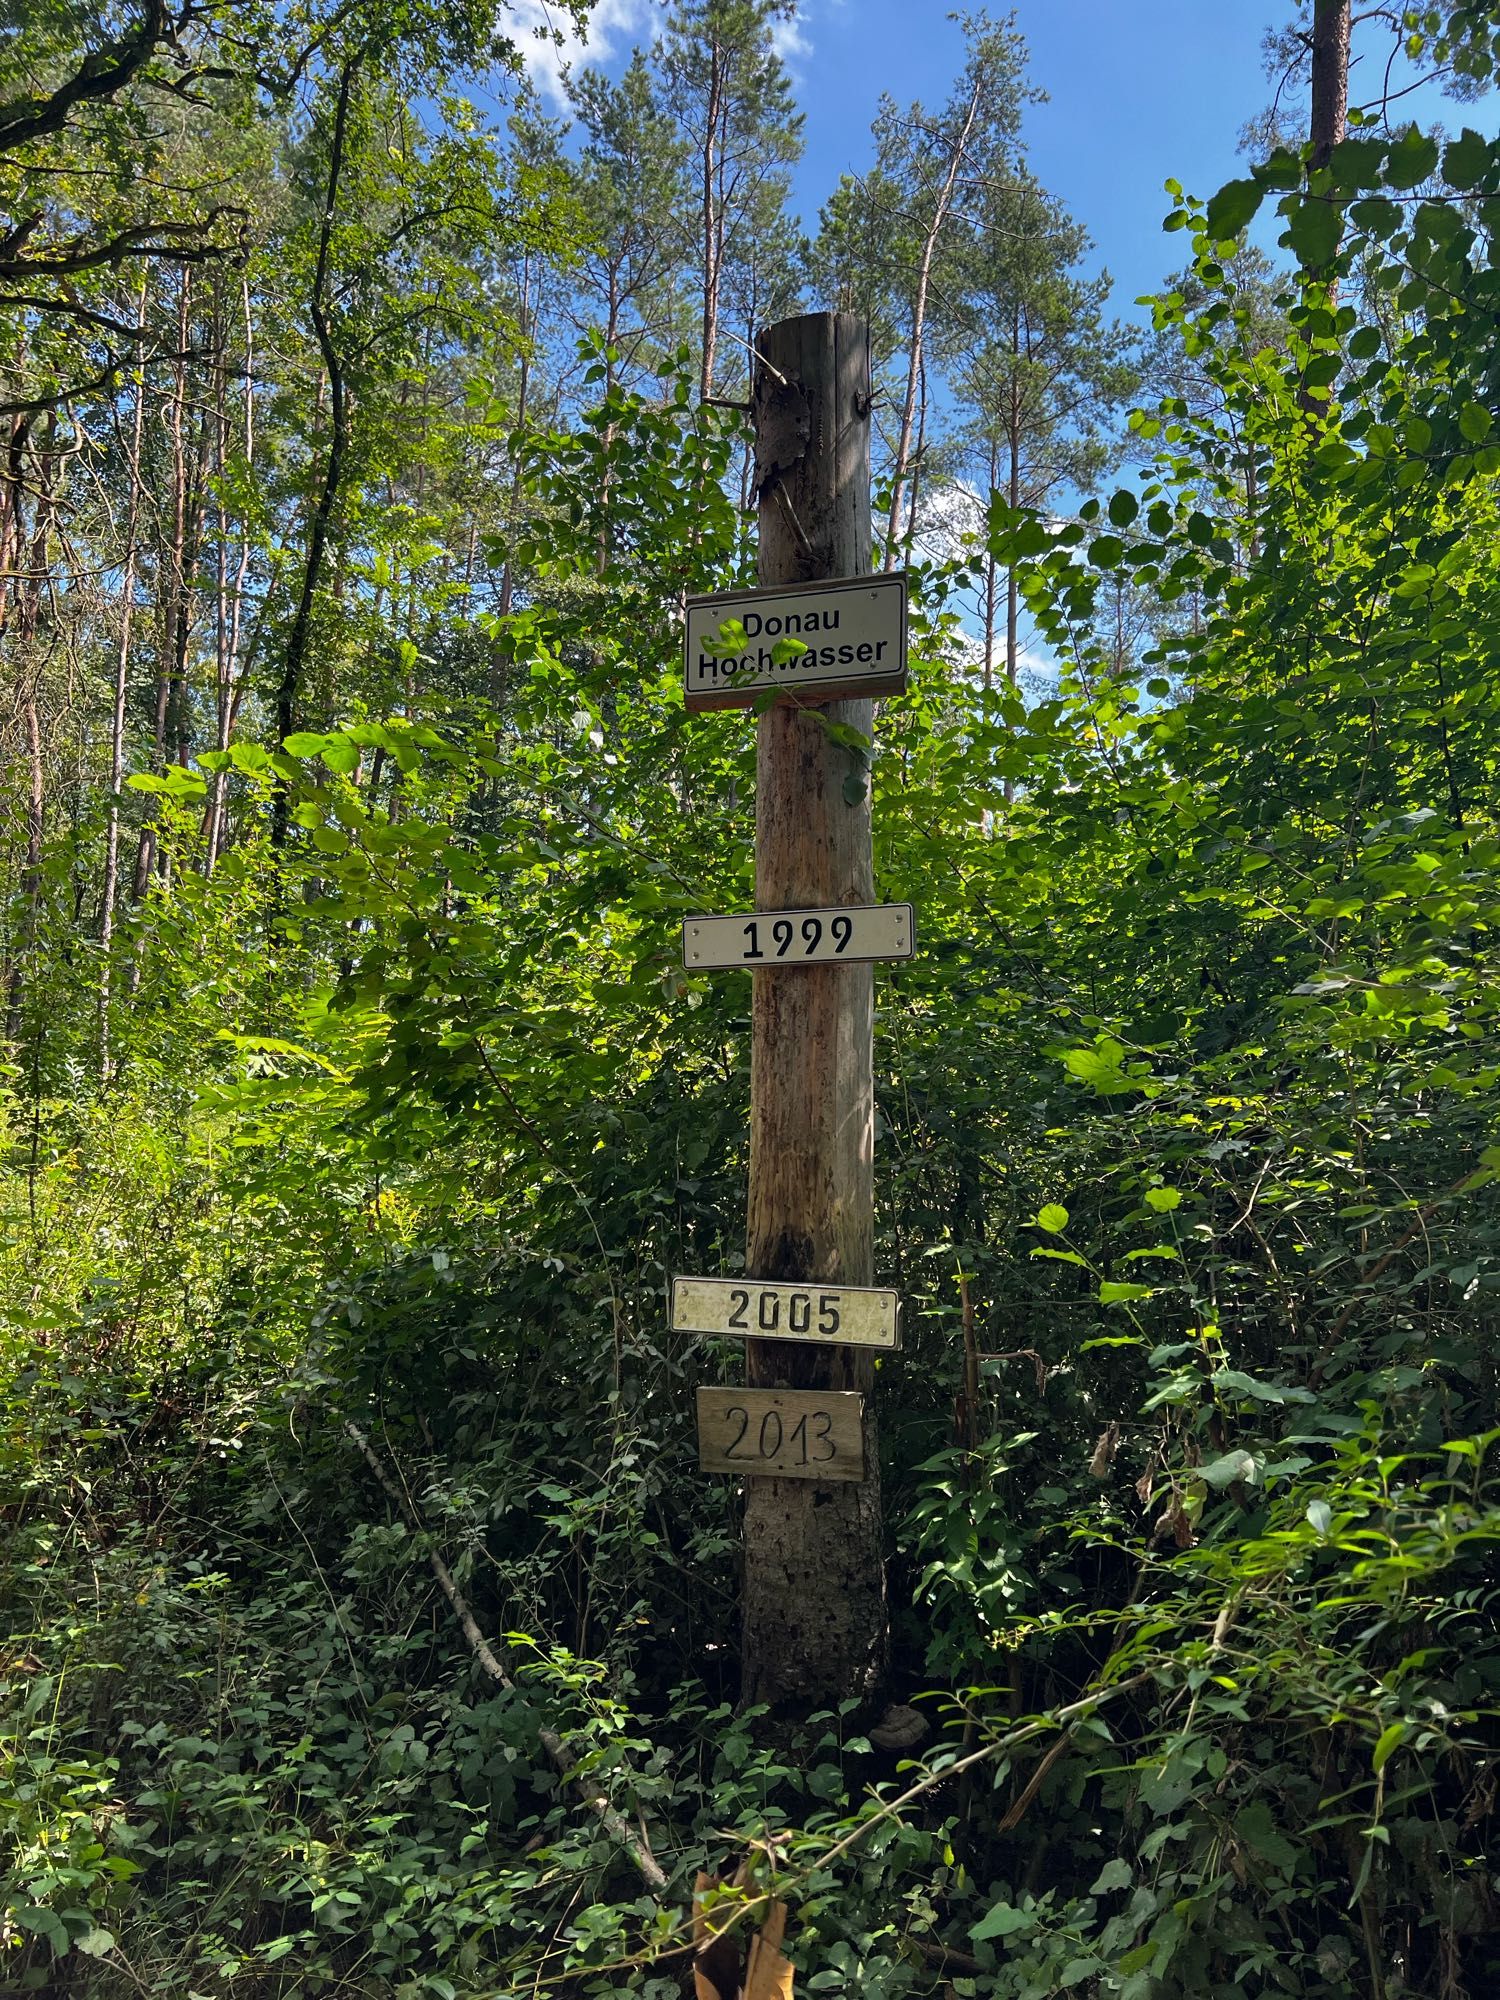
<point>369,1626</point>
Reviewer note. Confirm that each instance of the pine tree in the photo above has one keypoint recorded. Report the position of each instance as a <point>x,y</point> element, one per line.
<point>731,93</point>
<point>1036,366</point>
<point>636,196</point>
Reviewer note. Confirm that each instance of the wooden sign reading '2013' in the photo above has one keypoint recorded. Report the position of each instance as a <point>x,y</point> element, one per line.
<point>782,1433</point>
<point>811,640</point>
<point>751,1309</point>
<point>847,936</point>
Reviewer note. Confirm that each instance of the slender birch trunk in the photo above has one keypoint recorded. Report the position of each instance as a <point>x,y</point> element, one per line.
<point>117,718</point>
<point>919,320</point>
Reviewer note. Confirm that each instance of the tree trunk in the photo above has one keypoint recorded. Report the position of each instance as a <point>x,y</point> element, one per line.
<point>915,487</point>
<point>991,588</point>
<point>919,322</point>
<point>229,675</point>
<point>513,509</point>
<point>814,1602</point>
<point>1330,76</point>
<point>29,589</point>
<point>1013,495</point>
<point>289,690</point>
<point>117,720</point>
<point>712,221</point>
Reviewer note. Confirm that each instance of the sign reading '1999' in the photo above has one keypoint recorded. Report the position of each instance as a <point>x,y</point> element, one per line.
<point>853,1315</point>
<point>782,1433</point>
<point>799,937</point>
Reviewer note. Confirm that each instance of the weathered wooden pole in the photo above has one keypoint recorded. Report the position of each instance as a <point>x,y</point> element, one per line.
<point>814,1599</point>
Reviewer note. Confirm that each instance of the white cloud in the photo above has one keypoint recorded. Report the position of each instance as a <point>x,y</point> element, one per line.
<point>790,39</point>
<point>613,25</point>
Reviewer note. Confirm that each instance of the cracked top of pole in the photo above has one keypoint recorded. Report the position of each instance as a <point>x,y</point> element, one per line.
<point>783,427</point>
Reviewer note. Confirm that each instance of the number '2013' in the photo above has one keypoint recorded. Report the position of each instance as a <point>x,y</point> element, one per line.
<point>804,1442</point>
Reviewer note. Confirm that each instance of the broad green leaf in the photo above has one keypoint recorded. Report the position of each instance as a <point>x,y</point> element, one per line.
<point>1115,1874</point>
<point>1234,1465</point>
<point>1233,209</point>
<point>1468,159</point>
<point>1235,1382</point>
<point>1313,227</point>
<point>1001,1920</point>
<point>1052,1217</point>
<point>1411,159</point>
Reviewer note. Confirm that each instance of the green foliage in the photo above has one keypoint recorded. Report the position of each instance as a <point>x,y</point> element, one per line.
<point>390,1139</point>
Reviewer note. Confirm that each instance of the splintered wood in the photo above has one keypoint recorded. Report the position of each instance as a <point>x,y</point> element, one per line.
<point>718,1974</point>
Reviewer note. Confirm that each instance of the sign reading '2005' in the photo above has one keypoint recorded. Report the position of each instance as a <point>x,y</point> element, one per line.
<point>753,1309</point>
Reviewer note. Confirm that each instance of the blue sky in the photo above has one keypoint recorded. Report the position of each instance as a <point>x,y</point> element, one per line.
<point>1139,91</point>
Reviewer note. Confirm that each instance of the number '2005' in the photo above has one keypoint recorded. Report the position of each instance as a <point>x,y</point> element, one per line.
<point>799,1312</point>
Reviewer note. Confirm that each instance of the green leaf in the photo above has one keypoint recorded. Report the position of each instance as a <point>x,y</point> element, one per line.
<point>42,1922</point>
<point>1102,1066</point>
<point>1163,1199</point>
<point>1123,508</point>
<point>1256,1825</point>
<point>1233,208</point>
<point>1116,1874</point>
<point>1412,159</point>
<point>1389,1740</point>
<point>1313,228</point>
<point>1235,1382</point>
<point>1052,1217</point>
<point>1378,214</point>
<point>1355,163</point>
<point>1234,1465</point>
<point>1113,1292</point>
<point>1000,1920</point>
<point>1061,1256</point>
<point>96,1943</point>
<point>1320,1514</point>
<point>1468,159</point>
<point>1474,420</point>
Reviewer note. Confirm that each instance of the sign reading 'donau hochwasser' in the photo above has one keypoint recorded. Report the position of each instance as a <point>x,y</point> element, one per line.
<point>816,641</point>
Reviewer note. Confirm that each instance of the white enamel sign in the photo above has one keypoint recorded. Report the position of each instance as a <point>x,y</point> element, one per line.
<point>798,937</point>
<point>752,1308</point>
<point>814,640</point>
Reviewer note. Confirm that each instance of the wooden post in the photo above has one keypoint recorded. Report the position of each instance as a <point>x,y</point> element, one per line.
<point>814,1597</point>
